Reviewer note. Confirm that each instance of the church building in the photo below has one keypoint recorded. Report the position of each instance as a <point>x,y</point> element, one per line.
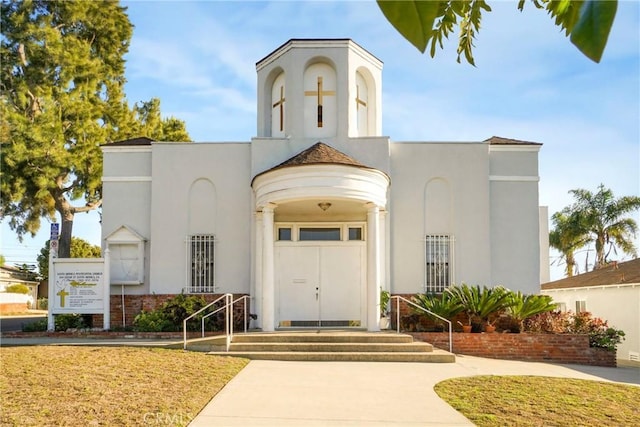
<point>320,211</point>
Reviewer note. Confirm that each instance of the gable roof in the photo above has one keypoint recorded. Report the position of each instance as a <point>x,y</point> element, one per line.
<point>613,274</point>
<point>498,140</point>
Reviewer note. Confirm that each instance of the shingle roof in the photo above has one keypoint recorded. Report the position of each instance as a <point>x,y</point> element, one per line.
<point>318,154</point>
<point>143,140</point>
<point>612,274</point>
<point>498,140</point>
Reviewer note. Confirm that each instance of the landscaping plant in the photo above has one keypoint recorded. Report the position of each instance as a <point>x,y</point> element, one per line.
<point>444,305</point>
<point>522,306</point>
<point>601,335</point>
<point>480,304</point>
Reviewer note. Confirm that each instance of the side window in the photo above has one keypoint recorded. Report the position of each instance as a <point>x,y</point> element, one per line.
<point>438,262</point>
<point>201,265</point>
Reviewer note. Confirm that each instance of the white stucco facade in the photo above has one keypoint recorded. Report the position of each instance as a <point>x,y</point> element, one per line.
<point>320,210</point>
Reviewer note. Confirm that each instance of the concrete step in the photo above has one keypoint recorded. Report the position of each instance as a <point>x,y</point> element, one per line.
<point>324,345</point>
<point>324,337</point>
<point>436,356</point>
<point>315,347</point>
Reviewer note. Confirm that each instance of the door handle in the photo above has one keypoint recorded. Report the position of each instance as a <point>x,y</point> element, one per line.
<point>317,292</point>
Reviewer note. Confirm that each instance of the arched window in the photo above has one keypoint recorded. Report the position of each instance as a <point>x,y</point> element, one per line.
<point>362,105</point>
<point>320,105</point>
<point>278,107</point>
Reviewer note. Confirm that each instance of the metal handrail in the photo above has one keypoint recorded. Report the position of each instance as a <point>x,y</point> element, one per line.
<point>398,298</point>
<point>228,307</point>
<point>244,298</point>
<point>184,322</point>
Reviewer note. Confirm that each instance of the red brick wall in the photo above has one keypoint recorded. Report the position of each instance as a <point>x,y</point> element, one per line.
<point>556,348</point>
<point>135,304</point>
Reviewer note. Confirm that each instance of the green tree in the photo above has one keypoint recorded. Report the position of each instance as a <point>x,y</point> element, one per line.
<point>603,219</point>
<point>80,248</point>
<point>586,22</point>
<point>62,95</point>
<point>567,238</point>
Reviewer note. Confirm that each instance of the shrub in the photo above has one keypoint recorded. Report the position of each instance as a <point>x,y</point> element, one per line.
<point>69,321</point>
<point>480,304</point>
<point>444,305</point>
<point>170,315</point>
<point>153,321</point>
<point>601,335</point>
<point>18,288</point>
<point>523,306</point>
<point>42,304</point>
<point>38,326</point>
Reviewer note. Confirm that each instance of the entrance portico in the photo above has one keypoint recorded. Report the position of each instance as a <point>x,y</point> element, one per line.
<point>319,242</point>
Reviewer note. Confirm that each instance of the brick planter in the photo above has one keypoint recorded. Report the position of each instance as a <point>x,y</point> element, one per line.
<point>555,348</point>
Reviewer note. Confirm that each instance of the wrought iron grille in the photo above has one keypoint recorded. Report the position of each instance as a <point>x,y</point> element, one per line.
<point>438,262</point>
<point>201,263</point>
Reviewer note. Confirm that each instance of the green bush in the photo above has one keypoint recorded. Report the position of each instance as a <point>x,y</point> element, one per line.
<point>69,321</point>
<point>170,315</point>
<point>18,288</point>
<point>601,335</point>
<point>43,304</point>
<point>40,325</point>
<point>153,321</point>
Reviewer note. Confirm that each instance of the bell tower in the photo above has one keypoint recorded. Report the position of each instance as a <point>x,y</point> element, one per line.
<point>319,89</point>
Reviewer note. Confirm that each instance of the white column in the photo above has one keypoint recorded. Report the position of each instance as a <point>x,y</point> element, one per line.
<point>373,267</point>
<point>256,297</point>
<point>268,287</point>
<point>384,254</point>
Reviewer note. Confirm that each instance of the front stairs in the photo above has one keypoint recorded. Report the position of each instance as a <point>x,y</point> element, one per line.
<point>323,345</point>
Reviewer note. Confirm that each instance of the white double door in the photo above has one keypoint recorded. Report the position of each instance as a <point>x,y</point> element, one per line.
<point>321,285</point>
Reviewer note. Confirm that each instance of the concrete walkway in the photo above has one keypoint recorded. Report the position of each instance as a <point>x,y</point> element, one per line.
<point>273,393</point>
<point>276,393</point>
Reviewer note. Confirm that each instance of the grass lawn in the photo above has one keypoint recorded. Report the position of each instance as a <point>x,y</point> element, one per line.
<point>59,385</point>
<point>542,401</point>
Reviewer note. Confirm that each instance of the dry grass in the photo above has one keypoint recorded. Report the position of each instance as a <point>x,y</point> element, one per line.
<point>542,401</point>
<point>55,385</point>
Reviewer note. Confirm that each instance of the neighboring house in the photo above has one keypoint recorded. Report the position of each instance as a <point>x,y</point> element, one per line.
<point>12,276</point>
<point>320,211</point>
<point>611,293</point>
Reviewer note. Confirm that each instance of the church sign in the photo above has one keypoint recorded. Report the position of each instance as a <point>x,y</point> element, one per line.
<point>79,286</point>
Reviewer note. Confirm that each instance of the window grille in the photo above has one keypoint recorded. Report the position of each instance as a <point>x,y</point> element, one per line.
<point>581,306</point>
<point>201,263</point>
<point>438,262</point>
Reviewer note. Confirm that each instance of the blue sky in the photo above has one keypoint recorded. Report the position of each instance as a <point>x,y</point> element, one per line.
<point>530,83</point>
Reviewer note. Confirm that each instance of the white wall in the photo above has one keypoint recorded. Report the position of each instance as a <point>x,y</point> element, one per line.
<point>515,217</point>
<point>126,191</point>
<point>175,168</point>
<point>618,304</point>
<point>465,168</point>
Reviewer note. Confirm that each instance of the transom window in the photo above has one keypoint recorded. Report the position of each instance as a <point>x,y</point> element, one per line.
<point>201,263</point>
<point>439,260</point>
<point>320,232</point>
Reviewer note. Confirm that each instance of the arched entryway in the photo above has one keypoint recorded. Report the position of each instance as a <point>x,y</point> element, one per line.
<point>319,245</point>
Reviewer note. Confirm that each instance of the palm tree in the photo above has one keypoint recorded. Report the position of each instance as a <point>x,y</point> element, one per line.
<point>601,216</point>
<point>567,237</point>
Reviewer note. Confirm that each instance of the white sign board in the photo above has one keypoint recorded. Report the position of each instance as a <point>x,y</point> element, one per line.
<point>79,286</point>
